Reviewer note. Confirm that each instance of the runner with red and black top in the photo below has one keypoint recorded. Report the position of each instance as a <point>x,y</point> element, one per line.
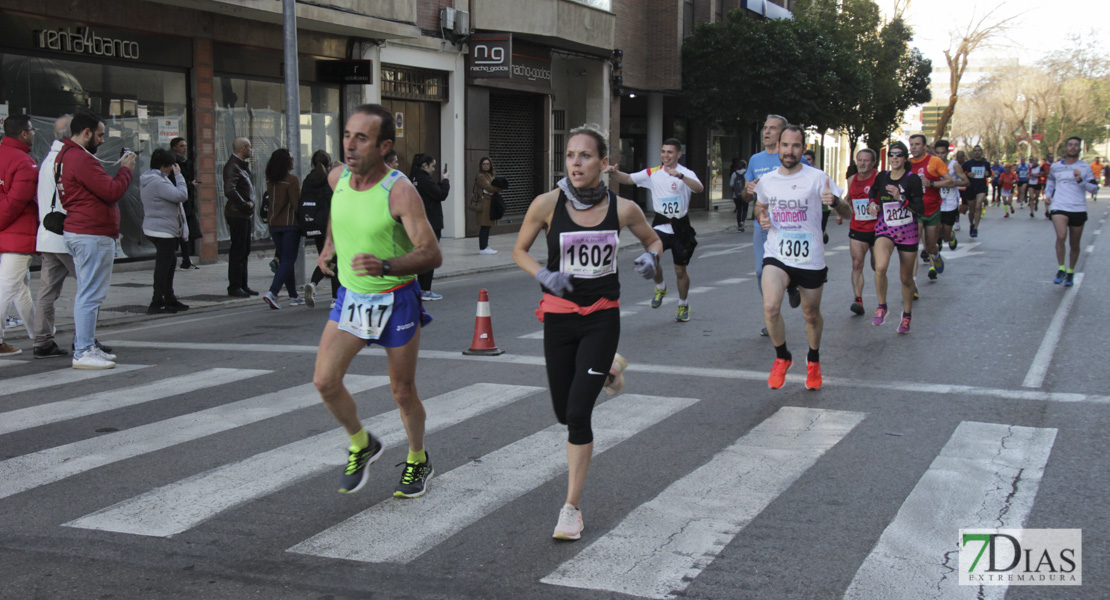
<point>934,176</point>
<point>896,196</point>
<point>861,231</point>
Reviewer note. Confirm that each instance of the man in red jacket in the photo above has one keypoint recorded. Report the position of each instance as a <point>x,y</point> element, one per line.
<point>19,221</point>
<point>91,199</point>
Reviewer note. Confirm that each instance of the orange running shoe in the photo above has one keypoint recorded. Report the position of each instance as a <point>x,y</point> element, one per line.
<point>813,375</point>
<point>778,373</point>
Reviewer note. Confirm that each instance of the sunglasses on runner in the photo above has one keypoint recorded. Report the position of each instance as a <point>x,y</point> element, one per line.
<point>896,154</point>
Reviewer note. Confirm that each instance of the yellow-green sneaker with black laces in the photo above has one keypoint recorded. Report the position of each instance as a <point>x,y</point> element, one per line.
<point>414,479</point>
<point>355,474</point>
<point>657,300</point>
<point>683,313</point>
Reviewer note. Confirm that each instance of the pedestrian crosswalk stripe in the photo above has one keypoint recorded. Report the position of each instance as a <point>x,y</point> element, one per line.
<point>53,412</point>
<point>182,505</point>
<point>53,464</point>
<point>395,531</point>
<point>664,543</point>
<point>27,383</point>
<point>7,362</point>
<point>731,281</point>
<point>972,483</point>
<point>535,335</point>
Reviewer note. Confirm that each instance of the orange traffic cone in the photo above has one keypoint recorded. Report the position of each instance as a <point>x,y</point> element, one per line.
<point>483,344</point>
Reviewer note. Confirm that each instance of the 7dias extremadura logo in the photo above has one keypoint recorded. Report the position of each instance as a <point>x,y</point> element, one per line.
<point>1021,557</point>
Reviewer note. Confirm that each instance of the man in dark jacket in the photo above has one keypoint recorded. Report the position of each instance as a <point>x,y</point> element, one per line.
<point>19,220</point>
<point>91,199</point>
<point>239,212</point>
<point>432,194</point>
<point>180,149</point>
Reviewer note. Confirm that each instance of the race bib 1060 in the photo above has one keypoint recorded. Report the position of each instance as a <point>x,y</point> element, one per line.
<point>588,254</point>
<point>795,246</point>
<point>860,205</point>
<point>366,315</point>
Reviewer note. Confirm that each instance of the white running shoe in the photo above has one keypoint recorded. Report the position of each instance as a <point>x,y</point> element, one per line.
<point>570,524</point>
<point>487,251</point>
<point>310,295</point>
<point>103,354</point>
<point>93,360</point>
<point>272,300</point>
<point>615,382</point>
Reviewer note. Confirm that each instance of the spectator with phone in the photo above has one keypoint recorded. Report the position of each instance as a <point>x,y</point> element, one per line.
<point>91,199</point>
<point>164,194</point>
<point>433,194</point>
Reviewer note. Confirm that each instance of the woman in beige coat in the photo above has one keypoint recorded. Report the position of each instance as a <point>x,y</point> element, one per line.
<point>481,198</point>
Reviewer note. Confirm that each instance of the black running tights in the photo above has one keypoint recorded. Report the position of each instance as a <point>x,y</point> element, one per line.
<point>579,351</point>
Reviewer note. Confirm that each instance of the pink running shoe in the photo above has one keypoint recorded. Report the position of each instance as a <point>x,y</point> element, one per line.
<point>905,326</point>
<point>880,316</point>
<point>570,524</point>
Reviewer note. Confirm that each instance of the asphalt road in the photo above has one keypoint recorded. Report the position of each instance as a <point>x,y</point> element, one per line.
<point>206,469</point>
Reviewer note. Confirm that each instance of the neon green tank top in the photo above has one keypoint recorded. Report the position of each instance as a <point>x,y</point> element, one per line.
<point>361,224</point>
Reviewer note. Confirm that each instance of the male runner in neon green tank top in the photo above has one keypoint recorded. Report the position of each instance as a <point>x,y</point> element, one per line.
<point>380,239</point>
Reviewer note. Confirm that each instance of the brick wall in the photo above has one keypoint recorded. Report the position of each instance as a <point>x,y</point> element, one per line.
<point>648,32</point>
<point>427,12</point>
<point>204,148</point>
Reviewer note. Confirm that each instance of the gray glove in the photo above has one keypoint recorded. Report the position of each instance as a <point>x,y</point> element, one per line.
<point>557,283</point>
<point>645,265</point>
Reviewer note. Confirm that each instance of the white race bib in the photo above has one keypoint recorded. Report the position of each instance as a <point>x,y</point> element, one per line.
<point>588,254</point>
<point>795,246</point>
<point>671,207</point>
<point>860,206</point>
<point>978,172</point>
<point>366,315</point>
<point>894,214</point>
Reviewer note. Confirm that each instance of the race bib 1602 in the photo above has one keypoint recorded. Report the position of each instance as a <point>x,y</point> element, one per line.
<point>588,254</point>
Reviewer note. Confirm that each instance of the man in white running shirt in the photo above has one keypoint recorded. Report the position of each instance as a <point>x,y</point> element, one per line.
<point>790,203</point>
<point>1069,181</point>
<point>671,185</point>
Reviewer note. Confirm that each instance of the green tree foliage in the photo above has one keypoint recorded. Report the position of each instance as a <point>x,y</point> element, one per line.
<point>837,65</point>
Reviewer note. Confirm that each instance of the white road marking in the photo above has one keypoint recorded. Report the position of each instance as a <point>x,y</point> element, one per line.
<point>986,476</point>
<point>399,532</point>
<point>700,290</point>
<point>182,505</point>
<point>667,300</point>
<point>535,335</point>
<point>1098,231</point>
<point>54,464</point>
<point>841,247</point>
<point>1090,248</point>
<point>665,543</point>
<point>629,313</point>
<point>66,376</point>
<point>53,412</point>
<point>652,369</point>
<point>731,281</point>
<point>7,362</point>
<point>1043,359</point>
<point>831,253</point>
<point>732,250</point>
<point>174,322</point>
<point>961,251</point>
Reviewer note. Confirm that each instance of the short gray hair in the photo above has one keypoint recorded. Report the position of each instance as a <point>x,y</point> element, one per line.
<point>782,120</point>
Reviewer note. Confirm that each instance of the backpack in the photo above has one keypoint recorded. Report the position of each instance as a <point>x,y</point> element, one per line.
<point>312,216</point>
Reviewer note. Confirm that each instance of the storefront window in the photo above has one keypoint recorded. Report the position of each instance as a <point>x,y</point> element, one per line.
<point>255,109</point>
<point>142,109</point>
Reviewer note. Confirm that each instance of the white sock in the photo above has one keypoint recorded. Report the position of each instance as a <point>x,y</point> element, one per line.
<point>682,302</point>
<point>661,286</point>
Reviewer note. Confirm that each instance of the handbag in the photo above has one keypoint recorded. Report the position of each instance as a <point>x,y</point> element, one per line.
<point>55,221</point>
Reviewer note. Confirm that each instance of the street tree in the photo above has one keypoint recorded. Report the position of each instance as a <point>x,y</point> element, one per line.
<point>978,33</point>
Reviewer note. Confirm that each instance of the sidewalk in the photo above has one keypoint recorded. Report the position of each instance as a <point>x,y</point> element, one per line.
<point>206,289</point>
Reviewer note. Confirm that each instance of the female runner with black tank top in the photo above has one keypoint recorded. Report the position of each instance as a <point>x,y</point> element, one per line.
<point>580,308</point>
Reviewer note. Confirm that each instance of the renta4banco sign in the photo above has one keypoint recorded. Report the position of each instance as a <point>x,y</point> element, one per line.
<point>83,40</point>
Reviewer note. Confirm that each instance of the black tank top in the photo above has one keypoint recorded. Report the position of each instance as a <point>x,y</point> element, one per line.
<point>588,254</point>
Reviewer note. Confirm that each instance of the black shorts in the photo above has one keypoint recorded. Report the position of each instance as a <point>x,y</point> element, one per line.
<point>805,278</point>
<point>1075,219</point>
<point>949,217</point>
<point>1036,186</point>
<point>679,251</point>
<point>867,237</point>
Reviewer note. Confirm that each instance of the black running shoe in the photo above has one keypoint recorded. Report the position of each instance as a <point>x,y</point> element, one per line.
<point>857,306</point>
<point>924,256</point>
<point>51,351</point>
<point>795,296</point>
<point>356,473</point>
<point>414,479</point>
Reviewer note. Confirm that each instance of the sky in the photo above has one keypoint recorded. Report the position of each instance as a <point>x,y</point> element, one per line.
<point>1040,28</point>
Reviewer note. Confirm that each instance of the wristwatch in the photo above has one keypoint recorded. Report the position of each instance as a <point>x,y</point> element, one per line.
<point>836,200</point>
<point>386,268</point>
<point>681,175</point>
